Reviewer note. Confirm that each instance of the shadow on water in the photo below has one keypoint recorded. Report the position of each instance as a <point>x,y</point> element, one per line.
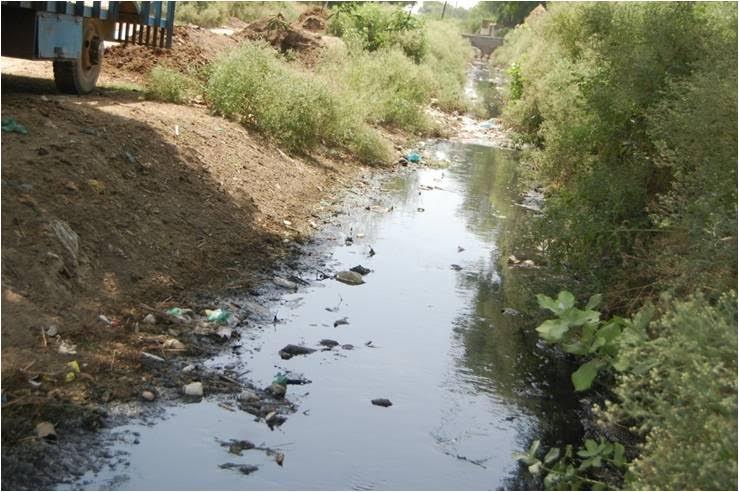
<point>469,382</point>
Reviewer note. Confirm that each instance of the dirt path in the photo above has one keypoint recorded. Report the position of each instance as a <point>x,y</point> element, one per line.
<point>111,201</point>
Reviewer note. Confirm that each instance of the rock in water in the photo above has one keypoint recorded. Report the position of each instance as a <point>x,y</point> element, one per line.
<point>290,350</point>
<point>326,342</point>
<point>360,270</point>
<point>349,277</point>
<point>245,469</point>
<point>382,402</point>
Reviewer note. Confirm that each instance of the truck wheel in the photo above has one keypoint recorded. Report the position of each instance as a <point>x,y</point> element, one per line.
<point>80,76</point>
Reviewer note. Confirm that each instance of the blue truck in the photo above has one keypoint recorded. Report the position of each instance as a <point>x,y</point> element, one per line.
<point>72,34</point>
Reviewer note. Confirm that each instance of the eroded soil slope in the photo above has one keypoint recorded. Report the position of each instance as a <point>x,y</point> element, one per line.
<point>110,201</point>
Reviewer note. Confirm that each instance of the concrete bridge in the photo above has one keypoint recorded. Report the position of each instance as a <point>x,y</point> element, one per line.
<point>486,44</point>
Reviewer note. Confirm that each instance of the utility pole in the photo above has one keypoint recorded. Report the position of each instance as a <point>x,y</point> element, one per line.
<point>443,10</point>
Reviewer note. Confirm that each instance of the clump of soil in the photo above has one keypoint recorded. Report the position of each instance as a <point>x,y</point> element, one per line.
<point>304,43</point>
<point>192,49</point>
<point>313,19</point>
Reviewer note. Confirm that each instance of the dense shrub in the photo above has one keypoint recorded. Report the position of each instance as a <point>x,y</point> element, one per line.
<point>166,84</point>
<point>373,26</point>
<point>633,107</point>
<point>297,109</point>
<point>682,396</point>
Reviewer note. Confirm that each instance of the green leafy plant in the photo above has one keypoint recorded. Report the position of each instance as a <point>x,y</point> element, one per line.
<point>581,332</point>
<point>597,464</point>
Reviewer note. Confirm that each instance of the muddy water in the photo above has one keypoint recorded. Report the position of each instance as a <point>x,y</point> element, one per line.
<point>468,382</point>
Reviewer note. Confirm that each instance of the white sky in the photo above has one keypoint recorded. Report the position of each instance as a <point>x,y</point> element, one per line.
<point>465,4</point>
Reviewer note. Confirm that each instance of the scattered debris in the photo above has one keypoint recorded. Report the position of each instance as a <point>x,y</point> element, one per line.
<point>193,389</point>
<point>372,252</point>
<point>342,321</point>
<point>258,311</point>
<point>46,430</point>
<point>279,458</point>
<point>188,368</point>
<point>512,260</point>
<point>413,157</point>
<point>248,395</point>
<point>147,358</point>
<point>509,312</point>
<point>460,249</point>
<point>173,344</point>
<point>66,348</point>
<point>420,209</point>
<point>52,331</point>
<point>360,270</point>
<point>245,469</point>
<point>278,390</point>
<point>9,125</point>
<point>382,402</point>
<point>236,446</point>
<point>284,283</point>
<point>350,278</point>
<point>150,319</point>
<point>456,267</point>
<point>219,316</point>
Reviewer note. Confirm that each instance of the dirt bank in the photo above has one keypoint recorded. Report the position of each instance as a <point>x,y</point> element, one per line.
<point>110,201</point>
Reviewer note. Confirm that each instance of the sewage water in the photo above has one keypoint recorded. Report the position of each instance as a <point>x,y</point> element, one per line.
<point>468,383</point>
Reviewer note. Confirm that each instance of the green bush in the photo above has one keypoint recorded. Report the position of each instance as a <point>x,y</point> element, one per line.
<point>166,84</point>
<point>603,91</point>
<point>253,85</point>
<point>682,397</point>
<point>373,26</point>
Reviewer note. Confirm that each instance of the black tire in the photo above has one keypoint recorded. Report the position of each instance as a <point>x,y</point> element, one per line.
<point>80,76</point>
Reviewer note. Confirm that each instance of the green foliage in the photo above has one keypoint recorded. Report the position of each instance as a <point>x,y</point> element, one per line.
<point>633,109</point>
<point>215,14</point>
<point>253,85</point>
<point>375,26</point>
<point>166,84</point>
<point>581,332</point>
<point>503,13</point>
<point>597,465</point>
<point>681,396</point>
<point>391,89</point>
<point>515,84</point>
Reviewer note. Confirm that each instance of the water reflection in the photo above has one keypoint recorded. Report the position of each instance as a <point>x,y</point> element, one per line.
<point>469,384</point>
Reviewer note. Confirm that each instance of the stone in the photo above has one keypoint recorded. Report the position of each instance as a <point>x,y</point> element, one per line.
<point>148,395</point>
<point>284,283</point>
<point>350,278</point>
<point>46,430</point>
<point>291,350</point>
<point>248,395</point>
<point>193,389</point>
<point>327,342</point>
<point>150,319</point>
<point>382,402</point>
<point>360,270</point>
